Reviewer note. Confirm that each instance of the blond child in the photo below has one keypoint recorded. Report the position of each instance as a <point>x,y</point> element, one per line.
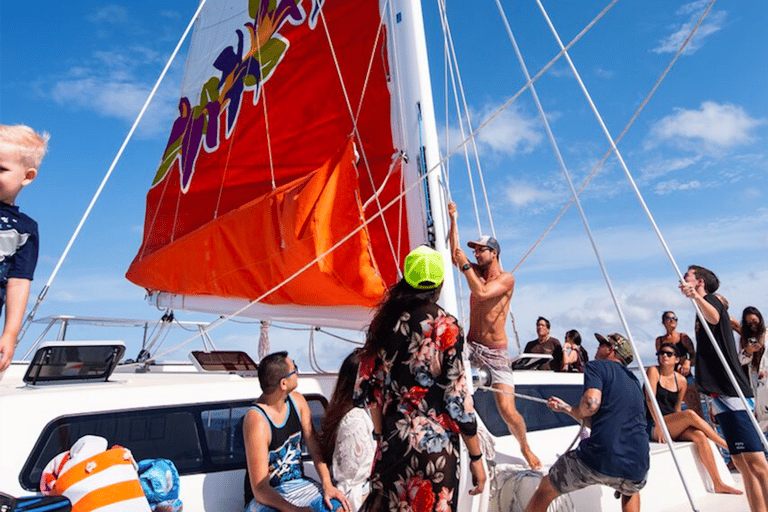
<point>21,152</point>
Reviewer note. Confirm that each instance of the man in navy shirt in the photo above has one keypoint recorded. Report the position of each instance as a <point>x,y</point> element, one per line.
<point>616,454</point>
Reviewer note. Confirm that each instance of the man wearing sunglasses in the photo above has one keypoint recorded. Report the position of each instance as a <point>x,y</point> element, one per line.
<point>491,291</point>
<point>273,430</point>
<point>616,454</point>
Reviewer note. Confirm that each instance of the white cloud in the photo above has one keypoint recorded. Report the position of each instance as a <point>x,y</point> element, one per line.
<point>562,71</point>
<point>95,289</point>
<point>109,14</point>
<point>587,306</point>
<point>511,132</point>
<point>713,126</point>
<point>664,166</point>
<point>522,194</point>
<point>107,85</point>
<point>712,23</point>
<point>667,187</point>
<point>604,73</point>
<point>173,15</point>
<point>627,244</point>
<point>117,99</point>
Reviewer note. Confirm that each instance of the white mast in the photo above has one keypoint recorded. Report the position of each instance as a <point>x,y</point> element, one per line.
<point>415,132</point>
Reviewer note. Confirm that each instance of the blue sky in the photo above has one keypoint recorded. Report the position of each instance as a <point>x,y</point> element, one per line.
<point>697,152</point>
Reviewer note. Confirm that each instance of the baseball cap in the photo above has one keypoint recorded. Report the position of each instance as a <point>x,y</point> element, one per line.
<point>487,241</point>
<point>621,347</point>
<point>424,268</point>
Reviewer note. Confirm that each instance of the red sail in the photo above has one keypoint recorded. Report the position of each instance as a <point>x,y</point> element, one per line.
<point>269,104</point>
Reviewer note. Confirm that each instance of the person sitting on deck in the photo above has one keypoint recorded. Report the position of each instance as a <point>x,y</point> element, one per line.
<point>546,344</point>
<point>687,353</point>
<point>574,355</point>
<point>669,387</point>
<point>346,439</point>
<point>273,430</point>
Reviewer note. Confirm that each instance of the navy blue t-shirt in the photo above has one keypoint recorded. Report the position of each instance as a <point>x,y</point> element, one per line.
<point>18,246</point>
<point>618,445</point>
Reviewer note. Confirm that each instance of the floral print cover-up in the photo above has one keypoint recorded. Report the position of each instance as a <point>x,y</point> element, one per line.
<point>418,381</point>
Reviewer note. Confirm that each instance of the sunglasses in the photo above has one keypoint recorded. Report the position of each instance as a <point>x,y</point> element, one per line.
<point>673,318</point>
<point>667,353</point>
<point>295,370</point>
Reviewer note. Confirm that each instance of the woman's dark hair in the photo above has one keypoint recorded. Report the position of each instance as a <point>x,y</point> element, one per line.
<point>747,333</point>
<point>575,336</point>
<point>399,298</point>
<point>339,406</point>
<point>674,348</point>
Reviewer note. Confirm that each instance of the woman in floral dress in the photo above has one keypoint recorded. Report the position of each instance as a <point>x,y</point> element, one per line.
<point>412,377</point>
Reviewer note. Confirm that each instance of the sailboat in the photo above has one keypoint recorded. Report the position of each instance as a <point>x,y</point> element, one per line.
<point>302,167</point>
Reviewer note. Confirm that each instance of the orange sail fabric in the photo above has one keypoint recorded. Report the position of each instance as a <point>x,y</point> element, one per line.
<point>262,101</point>
<point>285,230</point>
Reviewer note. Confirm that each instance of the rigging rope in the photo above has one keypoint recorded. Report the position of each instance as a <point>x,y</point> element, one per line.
<point>537,400</point>
<point>220,321</point>
<point>447,34</point>
<point>450,64</point>
<point>656,229</point>
<point>263,340</point>
<point>608,153</point>
<point>403,192</point>
<point>472,136</point>
<point>355,128</point>
<point>312,353</point>
<point>658,232</point>
<point>119,154</point>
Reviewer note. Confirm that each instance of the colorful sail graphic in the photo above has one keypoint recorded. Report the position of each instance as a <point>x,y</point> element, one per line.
<point>261,175</point>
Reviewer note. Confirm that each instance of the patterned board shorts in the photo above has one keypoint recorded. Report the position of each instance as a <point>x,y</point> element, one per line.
<point>502,376</point>
<point>496,360</point>
<point>302,492</point>
<point>569,474</point>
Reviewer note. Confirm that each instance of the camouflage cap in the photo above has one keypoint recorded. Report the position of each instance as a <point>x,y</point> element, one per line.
<point>621,347</point>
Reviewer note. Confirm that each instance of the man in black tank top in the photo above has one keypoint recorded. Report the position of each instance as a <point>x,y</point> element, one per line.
<point>273,430</point>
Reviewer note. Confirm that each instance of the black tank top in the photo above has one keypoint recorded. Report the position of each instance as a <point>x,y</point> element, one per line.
<point>667,399</point>
<point>284,449</point>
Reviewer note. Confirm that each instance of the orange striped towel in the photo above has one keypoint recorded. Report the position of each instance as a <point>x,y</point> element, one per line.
<point>105,482</point>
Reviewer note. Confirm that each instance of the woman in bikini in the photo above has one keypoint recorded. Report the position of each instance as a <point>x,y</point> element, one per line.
<point>669,387</point>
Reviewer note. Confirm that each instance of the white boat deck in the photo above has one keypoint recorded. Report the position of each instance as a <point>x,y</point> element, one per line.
<point>179,384</point>
<point>664,490</point>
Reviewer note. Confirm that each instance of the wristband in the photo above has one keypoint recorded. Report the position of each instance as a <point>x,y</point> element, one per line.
<point>475,458</point>
<point>376,436</point>
<point>465,267</point>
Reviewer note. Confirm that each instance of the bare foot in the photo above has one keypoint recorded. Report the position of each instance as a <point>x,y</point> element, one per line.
<point>726,489</point>
<point>531,459</point>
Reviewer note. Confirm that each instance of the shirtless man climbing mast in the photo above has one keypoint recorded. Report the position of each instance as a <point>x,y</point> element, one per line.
<point>491,291</point>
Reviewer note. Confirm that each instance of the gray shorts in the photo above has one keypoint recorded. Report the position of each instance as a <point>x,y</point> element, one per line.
<point>569,474</point>
<point>502,376</point>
